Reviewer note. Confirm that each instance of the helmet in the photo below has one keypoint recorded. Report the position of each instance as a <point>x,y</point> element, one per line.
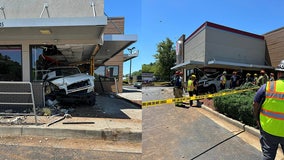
<point>272,74</point>
<point>255,74</point>
<point>262,71</point>
<point>177,72</point>
<point>248,74</point>
<point>224,72</point>
<point>280,66</point>
<point>193,76</point>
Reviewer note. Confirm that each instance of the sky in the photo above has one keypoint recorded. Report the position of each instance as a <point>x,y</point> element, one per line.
<point>155,20</point>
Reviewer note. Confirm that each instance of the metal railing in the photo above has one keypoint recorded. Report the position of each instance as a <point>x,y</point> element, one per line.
<point>17,98</point>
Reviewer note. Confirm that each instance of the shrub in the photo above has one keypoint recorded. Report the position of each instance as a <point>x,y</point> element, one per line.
<point>237,106</point>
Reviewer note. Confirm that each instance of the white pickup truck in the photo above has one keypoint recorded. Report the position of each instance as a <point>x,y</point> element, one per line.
<point>68,84</point>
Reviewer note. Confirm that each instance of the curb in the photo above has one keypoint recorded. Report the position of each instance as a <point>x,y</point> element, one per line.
<point>137,103</point>
<point>245,127</point>
<point>106,134</point>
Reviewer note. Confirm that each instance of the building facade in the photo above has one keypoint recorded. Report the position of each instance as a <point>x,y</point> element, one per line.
<point>217,48</point>
<point>36,35</point>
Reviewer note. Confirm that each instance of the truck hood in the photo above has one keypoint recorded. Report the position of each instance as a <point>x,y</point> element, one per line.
<point>68,80</point>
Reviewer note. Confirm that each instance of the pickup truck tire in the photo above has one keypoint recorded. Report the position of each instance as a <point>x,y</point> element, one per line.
<point>212,89</point>
<point>92,99</point>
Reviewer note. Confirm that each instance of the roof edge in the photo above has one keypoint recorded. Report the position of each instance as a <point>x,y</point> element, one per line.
<point>225,28</point>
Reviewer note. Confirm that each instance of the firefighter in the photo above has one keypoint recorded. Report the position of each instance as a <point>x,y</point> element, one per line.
<point>268,110</point>
<point>262,79</point>
<point>223,80</point>
<point>178,89</point>
<point>248,78</point>
<point>190,87</point>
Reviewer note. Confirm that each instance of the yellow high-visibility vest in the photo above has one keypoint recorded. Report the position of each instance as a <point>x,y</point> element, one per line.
<point>272,111</point>
<point>223,79</point>
<point>190,86</point>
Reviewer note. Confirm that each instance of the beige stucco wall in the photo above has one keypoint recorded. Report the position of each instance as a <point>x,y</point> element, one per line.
<point>232,47</point>
<point>194,48</point>
<point>18,9</point>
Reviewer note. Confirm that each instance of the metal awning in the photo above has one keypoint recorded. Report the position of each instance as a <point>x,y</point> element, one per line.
<point>127,57</point>
<point>46,30</point>
<point>189,64</point>
<point>76,38</point>
<point>234,65</point>
<point>113,44</point>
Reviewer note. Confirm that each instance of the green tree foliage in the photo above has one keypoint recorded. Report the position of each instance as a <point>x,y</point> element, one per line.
<point>165,59</point>
<point>137,73</point>
<point>152,67</point>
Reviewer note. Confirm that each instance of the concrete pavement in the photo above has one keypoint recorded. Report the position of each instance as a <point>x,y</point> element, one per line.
<point>115,129</point>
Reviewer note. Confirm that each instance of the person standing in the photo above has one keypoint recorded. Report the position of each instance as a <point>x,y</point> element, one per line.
<point>262,79</point>
<point>223,80</point>
<point>234,80</point>
<point>178,89</point>
<point>268,109</point>
<point>248,78</point>
<point>190,87</point>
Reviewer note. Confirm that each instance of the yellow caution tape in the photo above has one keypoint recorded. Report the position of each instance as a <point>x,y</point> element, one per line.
<point>173,100</point>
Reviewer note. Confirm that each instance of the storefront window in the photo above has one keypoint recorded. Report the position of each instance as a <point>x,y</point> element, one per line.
<point>37,71</point>
<point>11,63</point>
<point>42,57</point>
<point>107,72</point>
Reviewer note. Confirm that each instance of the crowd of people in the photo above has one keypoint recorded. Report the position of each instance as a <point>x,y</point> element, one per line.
<point>237,80</point>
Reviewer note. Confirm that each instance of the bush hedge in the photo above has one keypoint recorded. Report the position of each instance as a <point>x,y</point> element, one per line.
<point>237,106</point>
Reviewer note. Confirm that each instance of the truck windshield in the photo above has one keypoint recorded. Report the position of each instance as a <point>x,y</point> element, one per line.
<point>65,71</point>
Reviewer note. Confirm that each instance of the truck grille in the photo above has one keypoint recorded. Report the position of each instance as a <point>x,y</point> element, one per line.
<point>81,84</point>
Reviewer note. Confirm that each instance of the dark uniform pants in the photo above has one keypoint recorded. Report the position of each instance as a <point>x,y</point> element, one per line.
<point>178,94</point>
<point>269,145</point>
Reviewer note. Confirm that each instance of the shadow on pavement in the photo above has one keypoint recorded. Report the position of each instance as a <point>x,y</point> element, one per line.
<point>107,106</point>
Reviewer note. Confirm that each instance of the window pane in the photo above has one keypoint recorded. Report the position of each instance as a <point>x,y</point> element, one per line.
<point>10,63</point>
<point>37,68</point>
<point>112,71</point>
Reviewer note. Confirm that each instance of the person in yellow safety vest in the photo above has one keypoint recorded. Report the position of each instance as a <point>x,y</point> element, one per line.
<point>192,88</point>
<point>223,80</point>
<point>268,107</point>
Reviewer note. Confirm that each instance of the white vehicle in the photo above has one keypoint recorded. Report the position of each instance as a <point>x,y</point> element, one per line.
<point>209,83</point>
<point>68,84</point>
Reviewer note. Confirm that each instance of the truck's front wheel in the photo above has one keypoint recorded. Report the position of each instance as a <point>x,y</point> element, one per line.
<point>212,89</point>
<point>92,99</point>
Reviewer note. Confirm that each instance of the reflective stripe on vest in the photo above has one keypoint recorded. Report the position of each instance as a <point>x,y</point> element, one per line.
<point>272,112</point>
<point>190,85</point>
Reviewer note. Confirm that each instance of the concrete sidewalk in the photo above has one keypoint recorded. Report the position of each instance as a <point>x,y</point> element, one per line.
<point>114,129</point>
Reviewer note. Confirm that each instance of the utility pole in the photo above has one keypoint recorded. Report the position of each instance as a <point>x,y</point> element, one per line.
<point>130,78</point>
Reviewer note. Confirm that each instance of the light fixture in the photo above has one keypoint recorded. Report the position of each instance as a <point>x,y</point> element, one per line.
<point>45,31</point>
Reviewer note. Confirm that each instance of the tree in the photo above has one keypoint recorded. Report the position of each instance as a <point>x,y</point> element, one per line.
<point>149,67</point>
<point>165,59</point>
<point>137,73</point>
